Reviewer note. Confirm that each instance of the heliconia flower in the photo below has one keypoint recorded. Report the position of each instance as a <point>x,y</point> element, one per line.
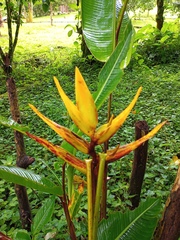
<point>60,152</point>
<point>119,152</point>
<point>107,130</point>
<point>84,113</point>
<point>72,138</point>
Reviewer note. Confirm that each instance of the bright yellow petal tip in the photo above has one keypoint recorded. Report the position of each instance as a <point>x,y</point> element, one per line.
<point>113,155</point>
<point>107,130</point>
<point>84,101</point>
<point>80,120</point>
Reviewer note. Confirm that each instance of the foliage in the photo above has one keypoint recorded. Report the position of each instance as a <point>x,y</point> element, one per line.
<point>158,47</point>
<point>132,79</point>
<point>29,179</point>
<point>38,10</point>
<point>120,225</point>
<point>79,115</point>
<point>134,5</point>
<point>159,89</point>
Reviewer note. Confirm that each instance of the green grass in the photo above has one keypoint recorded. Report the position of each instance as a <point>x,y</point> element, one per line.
<point>44,36</point>
<point>44,51</point>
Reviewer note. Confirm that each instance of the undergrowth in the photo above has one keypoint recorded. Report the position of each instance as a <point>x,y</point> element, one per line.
<point>159,101</point>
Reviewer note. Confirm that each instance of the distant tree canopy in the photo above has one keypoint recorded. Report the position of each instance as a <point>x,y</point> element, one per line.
<point>134,5</point>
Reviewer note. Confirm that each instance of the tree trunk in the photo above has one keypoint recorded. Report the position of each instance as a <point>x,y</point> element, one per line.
<point>84,48</point>
<point>1,20</point>
<point>51,14</point>
<point>29,17</point>
<point>169,226</point>
<point>139,164</point>
<point>160,12</point>
<point>22,160</point>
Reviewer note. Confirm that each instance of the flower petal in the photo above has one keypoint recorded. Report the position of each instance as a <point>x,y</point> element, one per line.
<point>107,130</point>
<point>73,139</point>
<point>60,152</point>
<point>73,111</point>
<point>126,149</point>
<point>84,101</point>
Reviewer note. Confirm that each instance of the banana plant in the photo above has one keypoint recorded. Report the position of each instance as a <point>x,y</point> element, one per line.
<point>84,114</point>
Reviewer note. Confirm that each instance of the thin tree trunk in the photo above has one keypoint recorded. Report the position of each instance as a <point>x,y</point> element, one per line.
<point>139,164</point>
<point>22,160</point>
<point>29,18</point>
<point>169,226</point>
<point>160,12</point>
<point>51,14</point>
<point>1,20</point>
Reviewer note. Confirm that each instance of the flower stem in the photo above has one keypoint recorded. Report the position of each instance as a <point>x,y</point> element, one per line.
<point>98,195</point>
<point>65,207</point>
<point>90,199</point>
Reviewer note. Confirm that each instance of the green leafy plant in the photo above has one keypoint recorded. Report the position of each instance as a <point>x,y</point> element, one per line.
<point>84,115</point>
<point>153,47</point>
<point>86,137</point>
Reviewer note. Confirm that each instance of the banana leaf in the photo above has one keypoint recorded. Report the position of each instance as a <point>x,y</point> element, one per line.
<point>99,27</point>
<point>137,224</point>
<point>112,72</point>
<point>28,179</point>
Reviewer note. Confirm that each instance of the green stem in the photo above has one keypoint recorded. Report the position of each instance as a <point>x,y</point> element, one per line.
<point>90,199</point>
<point>65,207</point>
<point>98,194</point>
<point>104,194</point>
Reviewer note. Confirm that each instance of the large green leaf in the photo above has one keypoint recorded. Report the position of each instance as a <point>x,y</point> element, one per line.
<point>43,215</point>
<point>112,72</point>
<point>28,179</point>
<point>125,40</point>
<point>98,24</point>
<point>137,225</point>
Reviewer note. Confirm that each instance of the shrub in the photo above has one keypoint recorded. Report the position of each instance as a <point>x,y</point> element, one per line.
<point>153,47</point>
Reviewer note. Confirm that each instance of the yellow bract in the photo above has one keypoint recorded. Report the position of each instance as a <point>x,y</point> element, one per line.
<point>107,130</point>
<point>117,153</point>
<point>84,100</point>
<point>84,114</point>
<point>77,142</point>
<point>60,152</point>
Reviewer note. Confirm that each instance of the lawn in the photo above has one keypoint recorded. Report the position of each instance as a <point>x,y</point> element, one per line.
<point>45,51</point>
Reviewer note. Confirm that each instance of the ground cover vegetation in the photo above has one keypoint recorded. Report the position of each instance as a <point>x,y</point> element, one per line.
<point>34,68</point>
